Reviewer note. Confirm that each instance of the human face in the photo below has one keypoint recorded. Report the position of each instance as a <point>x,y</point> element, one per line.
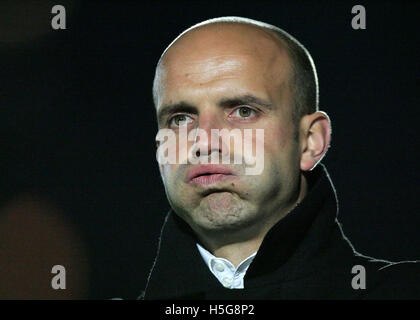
<point>230,77</point>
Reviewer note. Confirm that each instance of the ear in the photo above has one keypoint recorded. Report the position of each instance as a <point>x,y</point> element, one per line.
<point>315,138</point>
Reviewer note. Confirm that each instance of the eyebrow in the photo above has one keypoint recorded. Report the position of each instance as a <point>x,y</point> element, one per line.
<point>186,107</point>
<point>174,108</point>
<point>245,99</point>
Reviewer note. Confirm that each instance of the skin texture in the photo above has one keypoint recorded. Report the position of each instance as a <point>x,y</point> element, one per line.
<point>204,68</point>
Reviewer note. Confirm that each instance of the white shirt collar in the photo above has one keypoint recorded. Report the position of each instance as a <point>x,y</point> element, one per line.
<point>224,270</point>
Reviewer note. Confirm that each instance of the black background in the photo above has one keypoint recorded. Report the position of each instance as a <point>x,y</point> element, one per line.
<point>77,122</point>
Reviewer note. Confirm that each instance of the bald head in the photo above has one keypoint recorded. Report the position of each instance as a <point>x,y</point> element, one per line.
<point>205,48</point>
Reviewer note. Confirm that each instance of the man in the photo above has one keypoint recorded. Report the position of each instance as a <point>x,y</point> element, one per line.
<point>272,235</point>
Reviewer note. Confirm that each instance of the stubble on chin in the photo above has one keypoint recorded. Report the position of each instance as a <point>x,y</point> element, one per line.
<point>220,211</point>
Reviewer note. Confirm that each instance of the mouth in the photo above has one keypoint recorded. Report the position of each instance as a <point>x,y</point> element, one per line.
<point>205,175</point>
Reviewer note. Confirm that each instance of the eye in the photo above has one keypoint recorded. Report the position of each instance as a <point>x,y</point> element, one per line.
<point>244,112</point>
<point>180,120</point>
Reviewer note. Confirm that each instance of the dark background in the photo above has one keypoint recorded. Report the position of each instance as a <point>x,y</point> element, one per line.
<point>77,128</point>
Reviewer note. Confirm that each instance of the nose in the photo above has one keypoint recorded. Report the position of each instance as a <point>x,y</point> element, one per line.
<point>207,141</point>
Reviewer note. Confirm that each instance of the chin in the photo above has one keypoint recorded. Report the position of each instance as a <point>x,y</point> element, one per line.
<point>222,218</point>
<point>219,226</point>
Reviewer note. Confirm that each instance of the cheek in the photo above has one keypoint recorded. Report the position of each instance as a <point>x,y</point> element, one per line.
<point>280,146</point>
<point>168,173</point>
<point>276,141</point>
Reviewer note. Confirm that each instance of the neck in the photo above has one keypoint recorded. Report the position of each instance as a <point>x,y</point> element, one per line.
<point>237,246</point>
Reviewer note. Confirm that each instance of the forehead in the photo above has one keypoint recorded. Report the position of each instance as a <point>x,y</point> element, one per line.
<point>220,56</point>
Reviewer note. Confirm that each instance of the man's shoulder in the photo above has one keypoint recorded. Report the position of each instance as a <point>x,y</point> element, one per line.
<point>357,276</point>
<point>396,280</point>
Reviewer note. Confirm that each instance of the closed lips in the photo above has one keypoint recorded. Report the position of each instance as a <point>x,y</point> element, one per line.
<point>205,170</point>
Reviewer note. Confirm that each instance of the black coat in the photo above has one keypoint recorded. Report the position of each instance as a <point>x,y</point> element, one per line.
<point>304,256</point>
